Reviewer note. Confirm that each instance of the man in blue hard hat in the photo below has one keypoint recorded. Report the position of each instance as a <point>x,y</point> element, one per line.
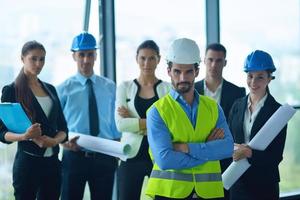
<point>88,104</point>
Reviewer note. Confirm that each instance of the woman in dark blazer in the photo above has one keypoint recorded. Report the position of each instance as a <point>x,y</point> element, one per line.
<point>36,169</point>
<point>247,116</point>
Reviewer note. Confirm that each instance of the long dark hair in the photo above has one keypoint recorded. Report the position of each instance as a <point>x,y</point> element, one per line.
<point>23,92</point>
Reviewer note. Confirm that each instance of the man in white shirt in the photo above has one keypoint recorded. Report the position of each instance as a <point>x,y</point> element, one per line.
<point>216,87</point>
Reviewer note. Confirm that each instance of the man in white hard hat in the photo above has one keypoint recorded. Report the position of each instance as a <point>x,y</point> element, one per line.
<point>187,134</point>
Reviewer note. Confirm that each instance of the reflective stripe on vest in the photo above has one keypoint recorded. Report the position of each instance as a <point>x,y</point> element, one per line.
<point>186,177</point>
<point>208,177</point>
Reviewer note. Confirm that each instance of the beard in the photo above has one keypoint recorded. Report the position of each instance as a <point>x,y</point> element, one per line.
<point>182,87</point>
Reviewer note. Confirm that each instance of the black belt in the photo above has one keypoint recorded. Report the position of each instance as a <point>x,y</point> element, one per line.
<point>37,155</point>
<point>32,154</point>
<point>89,154</point>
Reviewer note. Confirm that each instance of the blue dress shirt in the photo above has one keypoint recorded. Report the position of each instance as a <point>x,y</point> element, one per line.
<point>73,95</point>
<point>161,146</point>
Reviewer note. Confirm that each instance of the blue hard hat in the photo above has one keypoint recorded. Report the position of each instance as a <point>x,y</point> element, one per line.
<point>84,41</point>
<point>258,61</point>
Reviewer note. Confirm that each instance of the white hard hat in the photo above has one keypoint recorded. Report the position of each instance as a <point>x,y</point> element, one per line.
<point>184,51</point>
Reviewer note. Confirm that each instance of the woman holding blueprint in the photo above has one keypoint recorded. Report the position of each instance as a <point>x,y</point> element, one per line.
<point>247,116</point>
<point>36,169</point>
<point>133,99</point>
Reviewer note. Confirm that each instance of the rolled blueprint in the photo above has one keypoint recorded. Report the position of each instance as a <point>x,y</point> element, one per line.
<point>260,141</point>
<point>105,146</point>
<point>272,127</point>
<point>234,171</point>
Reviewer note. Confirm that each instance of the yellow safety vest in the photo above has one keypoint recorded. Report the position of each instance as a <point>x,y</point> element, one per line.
<point>206,178</point>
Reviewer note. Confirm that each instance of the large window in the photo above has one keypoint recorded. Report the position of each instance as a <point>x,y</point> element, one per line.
<point>273,26</point>
<point>161,21</point>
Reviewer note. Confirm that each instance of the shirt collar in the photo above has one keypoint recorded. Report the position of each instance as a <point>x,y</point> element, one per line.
<point>82,79</point>
<point>218,90</point>
<point>178,97</point>
<point>261,102</point>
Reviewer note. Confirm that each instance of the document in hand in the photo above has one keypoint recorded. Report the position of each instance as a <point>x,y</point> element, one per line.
<point>14,117</point>
<point>101,145</point>
<point>260,141</point>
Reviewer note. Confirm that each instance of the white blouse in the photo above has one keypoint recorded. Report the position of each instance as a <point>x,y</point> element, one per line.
<point>46,104</point>
<point>249,117</point>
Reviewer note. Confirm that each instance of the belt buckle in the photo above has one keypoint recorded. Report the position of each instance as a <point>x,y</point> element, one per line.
<point>89,154</point>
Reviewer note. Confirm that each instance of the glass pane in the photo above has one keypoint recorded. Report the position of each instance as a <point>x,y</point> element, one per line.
<point>94,29</point>
<point>273,26</point>
<point>275,31</point>
<point>162,21</point>
<point>290,166</point>
<point>53,23</point>
<point>7,153</point>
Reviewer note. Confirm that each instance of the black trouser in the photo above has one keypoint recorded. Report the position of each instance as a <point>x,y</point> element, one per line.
<point>258,191</point>
<point>224,165</point>
<point>130,178</point>
<point>36,177</point>
<point>81,167</point>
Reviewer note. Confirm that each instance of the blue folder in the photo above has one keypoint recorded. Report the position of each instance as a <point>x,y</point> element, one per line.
<point>14,117</point>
